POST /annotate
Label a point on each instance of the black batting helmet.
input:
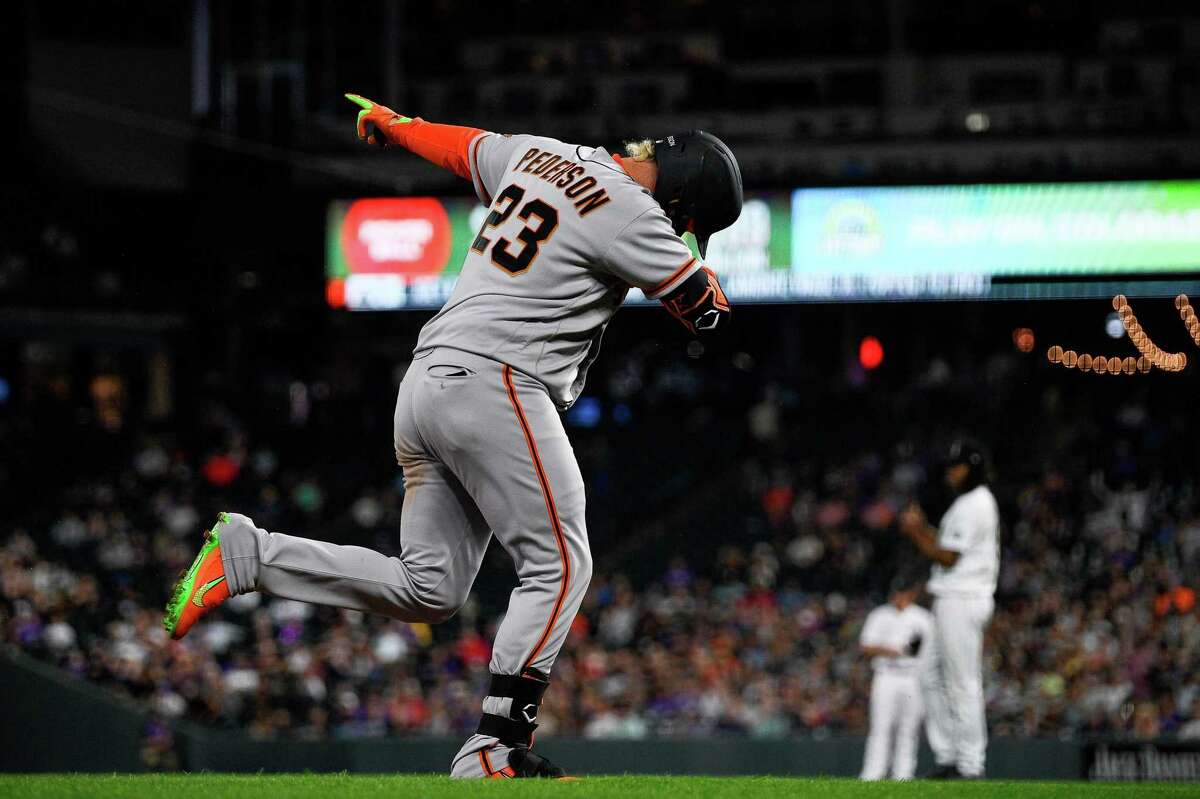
(699, 184)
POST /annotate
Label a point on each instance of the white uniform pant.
(956, 725)
(896, 712)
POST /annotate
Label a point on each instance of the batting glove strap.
(699, 303)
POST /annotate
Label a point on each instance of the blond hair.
(640, 150)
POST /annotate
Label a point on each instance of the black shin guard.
(511, 707)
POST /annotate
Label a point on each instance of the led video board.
(852, 244)
(948, 240)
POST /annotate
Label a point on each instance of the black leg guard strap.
(526, 764)
(508, 731)
(525, 695)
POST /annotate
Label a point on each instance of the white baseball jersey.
(909, 631)
(568, 233)
(970, 527)
(897, 705)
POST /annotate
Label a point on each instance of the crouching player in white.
(898, 638)
(965, 550)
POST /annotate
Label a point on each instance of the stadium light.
(870, 353)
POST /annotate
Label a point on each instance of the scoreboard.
(981, 241)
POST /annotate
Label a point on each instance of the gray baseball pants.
(484, 452)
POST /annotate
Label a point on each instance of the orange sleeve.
(448, 146)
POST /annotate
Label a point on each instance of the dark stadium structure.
(168, 351)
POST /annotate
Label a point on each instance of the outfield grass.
(346, 786)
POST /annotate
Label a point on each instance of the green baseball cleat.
(199, 589)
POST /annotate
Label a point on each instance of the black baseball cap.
(699, 184)
(909, 577)
(974, 455)
(966, 451)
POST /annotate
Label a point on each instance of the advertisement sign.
(1156, 761)
(1019, 229)
(405, 236)
(853, 244)
(385, 253)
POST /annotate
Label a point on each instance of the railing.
(53, 722)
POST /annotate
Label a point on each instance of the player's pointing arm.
(448, 146)
(471, 153)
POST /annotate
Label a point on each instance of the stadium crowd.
(752, 629)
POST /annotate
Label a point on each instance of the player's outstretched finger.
(366, 106)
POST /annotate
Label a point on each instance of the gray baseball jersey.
(568, 233)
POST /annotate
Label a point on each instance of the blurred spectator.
(738, 617)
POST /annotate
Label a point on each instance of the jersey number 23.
(530, 237)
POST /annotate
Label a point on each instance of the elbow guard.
(699, 303)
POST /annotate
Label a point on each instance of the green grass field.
(344, 786)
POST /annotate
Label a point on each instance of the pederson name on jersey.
(566, 175)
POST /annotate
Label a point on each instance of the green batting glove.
(373, 117)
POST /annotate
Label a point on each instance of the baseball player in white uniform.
(898, 637)
(477, 430)
(965, 550)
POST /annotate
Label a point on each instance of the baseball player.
(965, 550)
(477, 430)
(898, 638)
